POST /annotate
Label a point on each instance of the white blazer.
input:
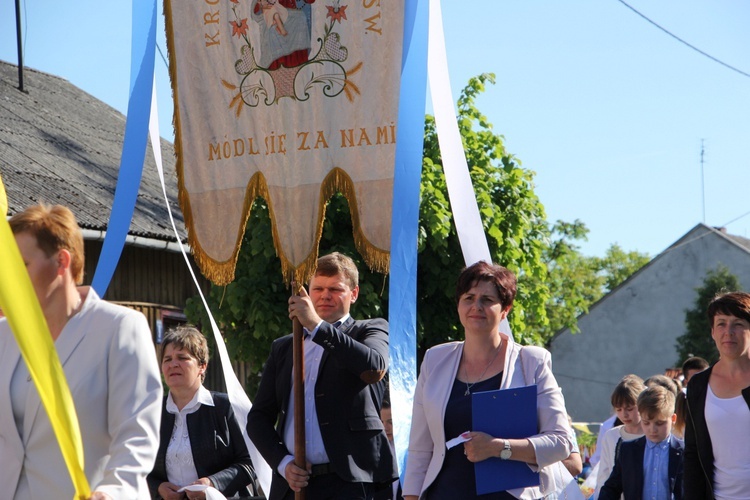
(109, 361)
(427, 438)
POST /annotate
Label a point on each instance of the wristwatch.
(507, 452)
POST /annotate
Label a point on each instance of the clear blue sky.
(608, 110)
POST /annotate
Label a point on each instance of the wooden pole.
(300, 460)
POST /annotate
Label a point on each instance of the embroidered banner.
(291, 100)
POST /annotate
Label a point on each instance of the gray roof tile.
(59, 144)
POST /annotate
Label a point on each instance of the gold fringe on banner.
(222, 273)
(339, 181)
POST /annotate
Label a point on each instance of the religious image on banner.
(290, 100)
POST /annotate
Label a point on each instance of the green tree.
(572, 278)
(697, 341)
(577, 281)
(617, 265)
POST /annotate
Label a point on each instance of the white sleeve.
(421, 444)
(134, 395)
(607, 458)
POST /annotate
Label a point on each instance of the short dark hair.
(732, 303)
(187, 338)
(694, 363)
(503, 279)
(663, 381)
(338, 263)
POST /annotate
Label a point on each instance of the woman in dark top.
(486, 360)
(201, 441)
(717, 430)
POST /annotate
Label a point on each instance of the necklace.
(466, 373)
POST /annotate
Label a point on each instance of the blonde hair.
(54, 228)
(655, 401)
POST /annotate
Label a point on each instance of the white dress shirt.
(179, 458)
(315, 451)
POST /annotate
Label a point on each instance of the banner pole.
(298, 353)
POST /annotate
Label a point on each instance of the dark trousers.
(332, 487)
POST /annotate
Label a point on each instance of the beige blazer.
(109, 361)
(427, 437)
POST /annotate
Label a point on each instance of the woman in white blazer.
(110, 365)
(485, 360)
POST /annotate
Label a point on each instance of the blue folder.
(507, 414)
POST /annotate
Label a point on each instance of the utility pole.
(703, 184)
(20, 47)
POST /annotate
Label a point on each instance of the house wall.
(146, 275)
(634, 328)
(157, 283)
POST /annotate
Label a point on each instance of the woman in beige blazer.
(485, 360)
(110, 365)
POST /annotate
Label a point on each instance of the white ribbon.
(237, 396)
(460, 189)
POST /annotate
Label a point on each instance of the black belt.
(321, 470)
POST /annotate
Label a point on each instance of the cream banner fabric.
(291, 100)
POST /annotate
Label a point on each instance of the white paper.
(458, 440)
(211, 492)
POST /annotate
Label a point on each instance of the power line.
(684, 42)
(162, 56)
(703, 184)
(736, 219)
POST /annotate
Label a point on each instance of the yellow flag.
(24, 314)
(3, 199)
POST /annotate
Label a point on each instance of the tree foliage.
(697, 341)
(556, 283)
(575, 280)
(513, 219)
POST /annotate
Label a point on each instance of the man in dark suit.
(345, 361)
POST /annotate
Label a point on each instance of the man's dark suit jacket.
(219, 450)
(627, 475)
(348, 395)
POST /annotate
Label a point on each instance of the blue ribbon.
(142, 53)
(402, 290)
